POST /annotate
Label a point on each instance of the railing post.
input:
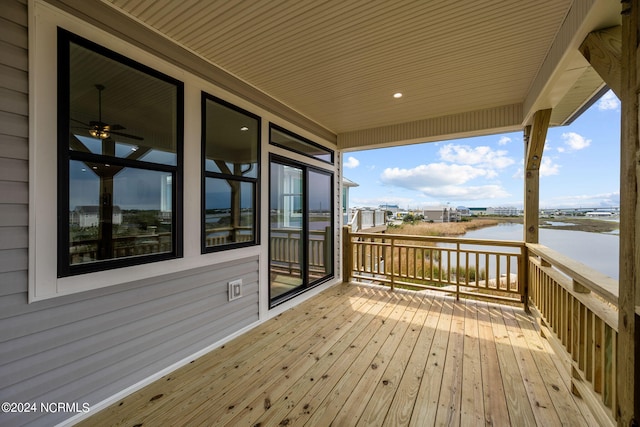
(523, 277)
(393, 275)
(347, 250)
(457, 271)
(328, 245)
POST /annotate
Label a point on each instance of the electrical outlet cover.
(235, 289)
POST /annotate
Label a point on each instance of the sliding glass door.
(301, 228)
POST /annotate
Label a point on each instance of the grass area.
(442, 228)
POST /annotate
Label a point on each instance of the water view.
(599, 251)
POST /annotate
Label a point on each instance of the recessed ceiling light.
(244, 128)
(397, 95)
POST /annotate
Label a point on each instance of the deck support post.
(628, 372)
(347, 254)
(534, 139)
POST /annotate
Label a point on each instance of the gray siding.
(14, 148)
(92, 345)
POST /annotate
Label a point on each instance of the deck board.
(362, 355)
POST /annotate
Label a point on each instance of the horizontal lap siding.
(90, 346)
(14, 149)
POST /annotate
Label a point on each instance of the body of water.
(598, 251)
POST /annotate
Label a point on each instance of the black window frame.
(219, 175)
(307, 141)
(306, 283)
(65, 155)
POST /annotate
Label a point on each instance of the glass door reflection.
(286, 229)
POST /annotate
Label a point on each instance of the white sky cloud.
(609, 101)
(481, 156)
(351, 163)
(504, 140)
(573, 142)
(457, 192)
(431, 175)
(444, 181)
(548, 168)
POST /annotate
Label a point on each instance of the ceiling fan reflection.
(101, 130)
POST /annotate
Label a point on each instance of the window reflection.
(119, 166)
(118, 212)
(229, 216)
(230, 144)
(285, 139)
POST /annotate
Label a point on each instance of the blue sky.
(580, 168)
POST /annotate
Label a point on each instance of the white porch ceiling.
(338, 62)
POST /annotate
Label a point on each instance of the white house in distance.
(88, 216)
(504, 211)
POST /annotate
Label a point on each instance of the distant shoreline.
(591, 225)
(440, 229)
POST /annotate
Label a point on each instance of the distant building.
(443, 214)
(346, 185)
(463, 211)
(89, 216)
(394, 209)
(599, 214)
(478, 211)
(504, 211)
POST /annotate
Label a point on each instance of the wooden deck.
(358, 355)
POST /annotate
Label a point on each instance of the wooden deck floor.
(357, 355)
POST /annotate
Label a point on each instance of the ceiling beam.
(603, 50)
(537, 138)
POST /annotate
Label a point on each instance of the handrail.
(577, 307)
(593, 280)
(452, 265)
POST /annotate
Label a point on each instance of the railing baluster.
(598, 334)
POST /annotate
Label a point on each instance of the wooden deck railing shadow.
(576, 306)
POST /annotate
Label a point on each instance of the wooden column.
(347, 254)
(534, 138)
(603, 50)
(628, 370)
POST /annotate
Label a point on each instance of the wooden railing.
(578, 311)
(86, 250)
(576, 306)
(225, 235)
(285, 250)
(475, 268)
(361, 219)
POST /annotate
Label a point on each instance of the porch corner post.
(534, 139)
(628, 352)
(347, 254)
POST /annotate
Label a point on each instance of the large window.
(120, 127)
(301, 228)
(230, 153)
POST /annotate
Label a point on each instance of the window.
(282, 138)
(230, 153)
(120, 127)
(301, 228)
